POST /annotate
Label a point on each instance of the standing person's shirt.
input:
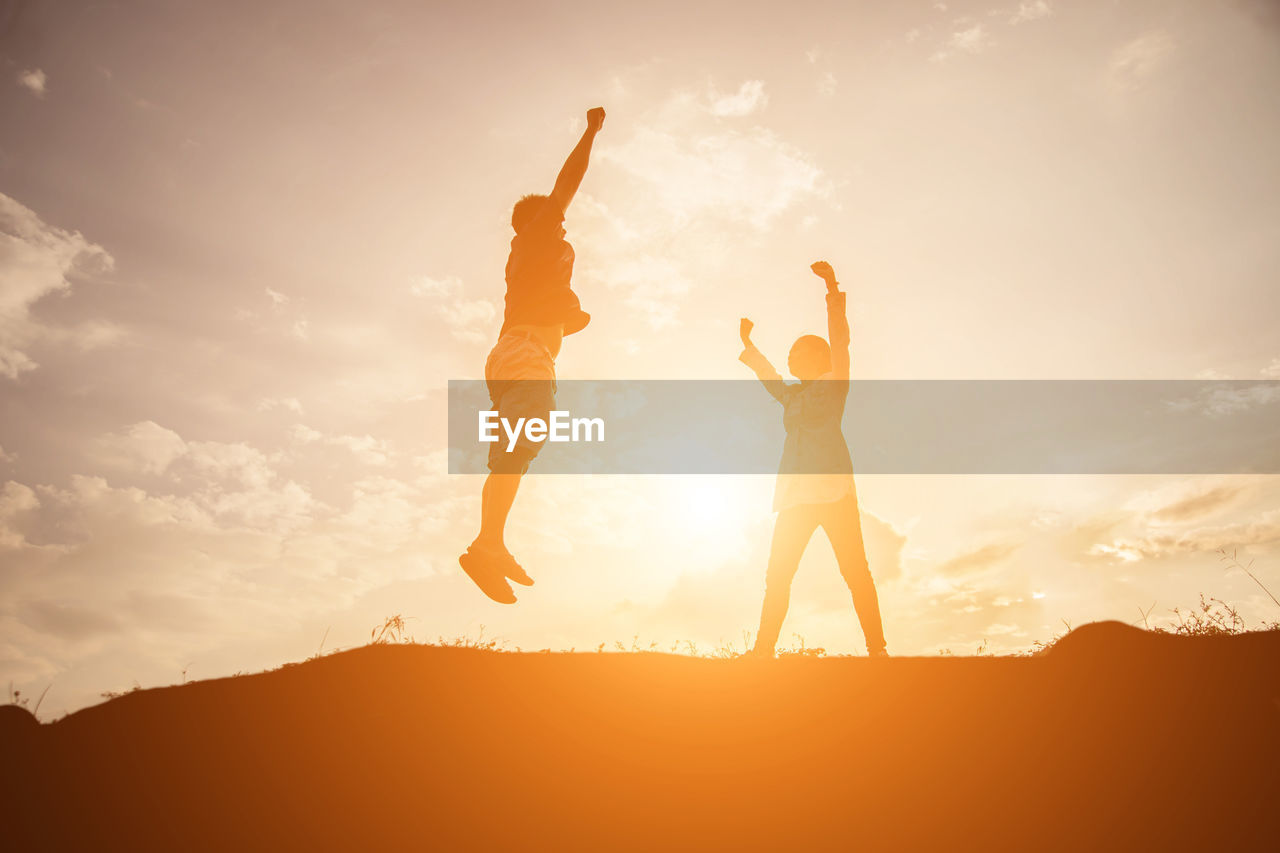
(538, 273)
(816, 467)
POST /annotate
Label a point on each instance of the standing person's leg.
(843, 524)
(791, 533)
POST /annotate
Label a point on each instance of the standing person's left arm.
(837, 321)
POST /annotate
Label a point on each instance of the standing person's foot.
(878, 653)
(487, 571)
(757, 653)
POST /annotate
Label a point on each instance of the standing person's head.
(526, 210)
(810, 357)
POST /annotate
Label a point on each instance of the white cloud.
(1263, 530)
(749, 98)
(15, 499)
(750, 176)
(1272, 370)
(653, 284)
(827, 84)
(469, 320)
(35, 81)
(366, 448)
(291, 404)
(1134, 62)
(974, 39)
(1031, 10)
(145, 446)
(1218, 401)
(6, 457)
(276, 297)
(36, 260)
(305, 434)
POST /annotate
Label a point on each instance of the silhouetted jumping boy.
(815, 480)
(541, 309)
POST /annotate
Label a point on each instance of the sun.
(713, 510)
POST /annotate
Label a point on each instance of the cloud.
(971, 40)
(749, 98)
(885, 545)
(276, 297)
(230, 480)
(1134, 62)
(366, 448)
(1220, 400)
(1031, 11)
(974, 39)
(1264, 530)
(1199, 505)
(36, 260)
(827, 84)
(35, 81)
(690, 186)
(6, 457)
(978, 558)
(291, 404)
(748, 176)
(653, 284)
(1272, 370)
(469, 320)
(145, 446)
(15, 500)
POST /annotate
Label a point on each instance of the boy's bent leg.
(791, 533)
(844, 528)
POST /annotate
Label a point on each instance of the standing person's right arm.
(753, 358)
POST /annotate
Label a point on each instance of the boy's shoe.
(486, 570)
(507, 564)
(514, 571)
(757, 654)
(878, 653)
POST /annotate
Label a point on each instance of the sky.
(244, 246)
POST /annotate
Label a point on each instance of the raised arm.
(753, 358)
(575, 167)
(837, 321)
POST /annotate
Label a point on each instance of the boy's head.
(810, 357)
(525, 210)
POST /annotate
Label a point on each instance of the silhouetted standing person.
(815, 480)
(541, 308)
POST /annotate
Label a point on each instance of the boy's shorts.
(521, 376)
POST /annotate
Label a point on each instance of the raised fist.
(595, 118)
(744, 330)
(823, 270)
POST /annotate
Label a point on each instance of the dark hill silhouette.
(1115, 739)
